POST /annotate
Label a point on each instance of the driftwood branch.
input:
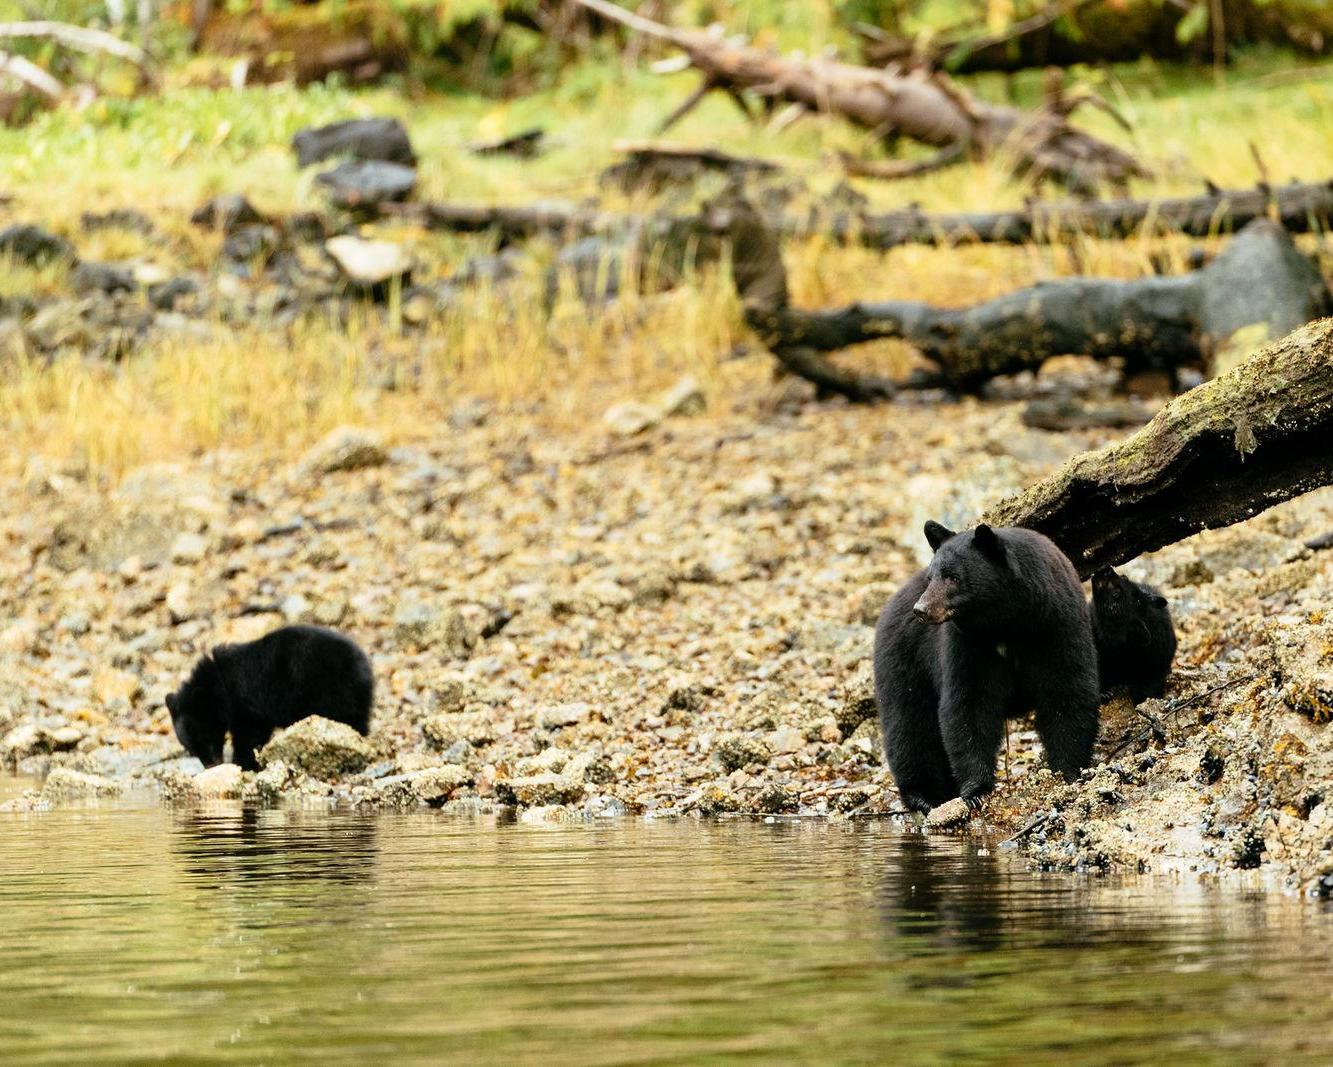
(31, 75)
(1158, 323)
(1298, 208)
(927, 108)
(79, 38)
(1216, 455)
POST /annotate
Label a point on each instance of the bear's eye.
(952, 579)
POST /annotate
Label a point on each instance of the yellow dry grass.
(279, 387)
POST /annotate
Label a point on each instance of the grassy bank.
(280, 387)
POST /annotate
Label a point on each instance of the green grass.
(166, 154)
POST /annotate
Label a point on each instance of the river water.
(227, 935)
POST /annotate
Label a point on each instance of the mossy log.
(1214, 456)
(1159, 323)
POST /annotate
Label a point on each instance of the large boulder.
(379, 138)
(320, 747)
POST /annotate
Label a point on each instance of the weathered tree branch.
(80, 38)
(1214, 456)
(923, 107)
(1299, 208)
(31, 75)
(1156, 322)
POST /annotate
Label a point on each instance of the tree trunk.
(1214, 456)
(1149, 323)
(926, 108)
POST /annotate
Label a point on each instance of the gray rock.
(472, 727)
(168, 295)
(33, 245)
(686, 397)
(347, 448)
(30, 739)
(366, 182)
(320, 747)
(563, 715)
(630, 418)
(858, 700)
(740, 750)
(101, 278)
(375, 138)
(67, 784)
(430, 785)
(540, 790)
(227, 213)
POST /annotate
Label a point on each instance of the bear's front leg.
(977, 692)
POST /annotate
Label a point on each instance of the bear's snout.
(930, 612)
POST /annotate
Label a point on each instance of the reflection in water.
(222, 845)
(235, 936)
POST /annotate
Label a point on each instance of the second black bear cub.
(251, 689)
(996, 626)
(1136, 640)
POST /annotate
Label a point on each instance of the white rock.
(368, 262)
(631, 418)
(188, 548)
(224, 780)
(347, 448)
(686, 397)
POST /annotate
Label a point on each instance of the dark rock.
(101, 278)
(121, 218)
(375, 139)
(358, 183)
(227, 213)
(33, 245)
(488, 270)
(251, 244)
(1212, 764)
(166, 295)
(309, 227)
(523, 145)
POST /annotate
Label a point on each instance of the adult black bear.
(250, 690)
(996, 626)
(1136, 640)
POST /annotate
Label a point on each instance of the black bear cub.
(1136, 640)
(251, 689)
(996, 626)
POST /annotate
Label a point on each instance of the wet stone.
(320, 747)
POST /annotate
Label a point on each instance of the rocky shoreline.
(670, 619)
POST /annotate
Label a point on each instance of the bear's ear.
(173, 703)
(1159, 601)
(936, 534)
(988, 543)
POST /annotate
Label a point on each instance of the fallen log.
(1301, 207)
(1155, 323)
(1098, 31)
(1219, 454)
(923, 107)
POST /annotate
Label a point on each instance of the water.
(224, 935)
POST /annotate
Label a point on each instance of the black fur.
(252, 689)
(996, 626)
(1136, 640)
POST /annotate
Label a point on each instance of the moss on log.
(1214, 456)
